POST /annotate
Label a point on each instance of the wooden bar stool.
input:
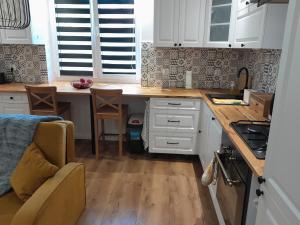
(43, 101)
(107, 105)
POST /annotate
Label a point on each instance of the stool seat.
(108, 112)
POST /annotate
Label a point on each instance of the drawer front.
(13, 98)
(172, 143)
(174, 120)
(7, 108)
(175, 103)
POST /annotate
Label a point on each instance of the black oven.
(233, 185)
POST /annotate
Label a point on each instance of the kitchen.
(200, 45)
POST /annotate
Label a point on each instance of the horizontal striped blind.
(117, 36)
(73, 25)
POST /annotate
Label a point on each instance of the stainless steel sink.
(224, 96)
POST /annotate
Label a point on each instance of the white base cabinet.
(173, 125)
(210, 136)
(14, 103)
(209, 141)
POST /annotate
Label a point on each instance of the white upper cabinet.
(178, 23)
(220, 23)
(16, 36)
(36, 33)
(259, 27)
(11, 36)
(166, 20)
(191, 23)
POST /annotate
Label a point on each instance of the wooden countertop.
(227, 114)
(64, 87)
(224, 114)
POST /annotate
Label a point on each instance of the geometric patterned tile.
(29, 61)
(211, 68)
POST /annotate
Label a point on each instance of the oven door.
(231, 190)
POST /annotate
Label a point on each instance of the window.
(73, 26)
(96, 38)
(117, 36)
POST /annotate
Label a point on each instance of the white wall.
(145, 12)
(40, 29)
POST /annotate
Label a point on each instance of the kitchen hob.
(255, 134)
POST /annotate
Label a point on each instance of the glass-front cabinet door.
(220, 23)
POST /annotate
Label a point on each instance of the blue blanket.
(16, 134)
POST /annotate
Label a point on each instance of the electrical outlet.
(12, 68)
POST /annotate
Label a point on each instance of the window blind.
(117, 37)
(73, 25)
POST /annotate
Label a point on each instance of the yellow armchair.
(61, 199)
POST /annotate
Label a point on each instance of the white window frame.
(97, 65)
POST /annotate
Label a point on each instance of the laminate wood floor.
(144, 189)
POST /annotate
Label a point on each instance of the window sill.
(119, 79)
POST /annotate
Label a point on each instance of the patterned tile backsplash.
(263, 65)
(29, 62)
(211, 67)
(162, 67)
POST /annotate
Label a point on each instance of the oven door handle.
(228, 180)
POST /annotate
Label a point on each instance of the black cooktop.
(255, 134)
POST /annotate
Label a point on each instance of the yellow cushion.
(31, 172)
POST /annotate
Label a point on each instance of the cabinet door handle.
(261, 180)
(229, 45)
(247, 3)
(175, 44)
(213, 118)
(259, 192)
(11, 98)
(172, 143)
(173, 121)
(242, 45)
(170, 103)
(179, 44)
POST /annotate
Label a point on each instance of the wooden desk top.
(224, 114)
(64, 87)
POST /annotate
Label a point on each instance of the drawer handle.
(173, 121)
(173, 143)
(11, 98)
(170, 103)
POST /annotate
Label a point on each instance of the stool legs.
(69, 114)
(102, 132)
(96, 138)
(120, 122)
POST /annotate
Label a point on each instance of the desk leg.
(92, 125)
